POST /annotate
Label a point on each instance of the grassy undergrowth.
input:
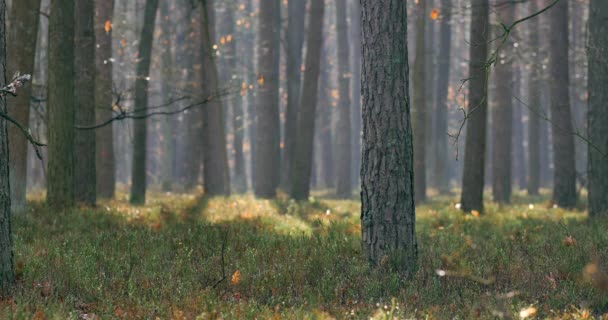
(180, 257)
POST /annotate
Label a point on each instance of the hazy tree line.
(291, 96)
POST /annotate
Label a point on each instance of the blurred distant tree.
(60, 100)
(22, 34)
(598, 108)
(476, 121)
(387, 181)
(564, 172)
(535, 103)
(302, 165)
(355, 42)
(419, 114)
(138, 173)
(84, 98)
(105, 162)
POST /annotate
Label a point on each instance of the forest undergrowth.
(187, 257)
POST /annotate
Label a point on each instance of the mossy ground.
(183, 257)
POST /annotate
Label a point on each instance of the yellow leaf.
(108, 26)
(229, 38)
(475, 213)
(261, 80)
(236, 277)
(223, 40)
(526, 313)
(434, 14)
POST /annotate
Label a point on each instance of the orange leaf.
(108, 26)
(39, 315)
(475, 213)
(261, 80)
(434, 14)
(236, 277)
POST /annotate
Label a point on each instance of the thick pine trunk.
(267, 125)
(105, 161)
(216, 174)
(343, 126)
(441, 181)
(84, 98)
(419, 115)
(597, 120)
(502, 115)
(7, 274)
(140, 134)
(564, 170)
(22, 36)
(387, 173)
(302, 164)
(60, 101)
(477, 110)
(295, 42)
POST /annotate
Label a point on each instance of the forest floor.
(183, 257)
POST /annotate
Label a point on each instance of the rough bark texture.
(343, 126)
(475, 145)
(441, 113)
(140, 134)
(60, 102)
(419, 115)
(502, 113)
(387, 173)
(84, 98)
(105, 161)
(355, 41)
(267, 126)
(7, 274)
(216, 174)
(302, 165)
(535, 105)
(22, 35)
(564, 170)
(295, 42)
(597, 119)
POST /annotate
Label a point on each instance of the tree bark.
(477, 110)
(387, 173)
(419, 114)
(302, 165)
(105, 161)
(7, 273)
(22, 35)
(216, 175)
(167, 64)
(355, 36)
(564, 170)
(441, 181)
(267, 125)
(295, 42)
(60, 101)
(140, 134)
(84, 98)
(343, 126)
(502, 115)
(597, 119)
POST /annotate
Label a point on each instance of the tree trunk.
(502, 115)
(475, 145)
(517, 139)
(343, 127)
(387, 173)
(60, 101)
(597, 119)
(84, 98)
(169, 140)
(7, 274)
(534, 96)
(295, 42)
(105, 161)
(443, 81)
(323, 126)
(22, 36)
(216, 175)
(419, 115)
(267, 124)
(302, 165)
(140, 134)
(564, 171)
(355, 41)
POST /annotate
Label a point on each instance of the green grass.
(303, 261)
